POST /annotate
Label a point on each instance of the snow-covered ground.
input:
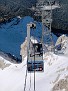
(54, 77)
(12, 78)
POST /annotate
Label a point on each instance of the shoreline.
(59, 31)
(10, 57)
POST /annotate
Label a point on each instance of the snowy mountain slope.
(55, 69)
(54, 77)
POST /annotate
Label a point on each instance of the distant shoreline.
(10, 57)
(58, 32)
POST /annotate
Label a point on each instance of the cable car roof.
(34, 40)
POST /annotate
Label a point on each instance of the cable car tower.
(45, 11)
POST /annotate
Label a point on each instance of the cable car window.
(37, 66)
(38, 48)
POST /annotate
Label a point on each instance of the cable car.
(34, 52)
(35, 62)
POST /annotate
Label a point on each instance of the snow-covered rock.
(4, 63)
(61, 44)
(23, 51)
(62, 39)
(54, 77)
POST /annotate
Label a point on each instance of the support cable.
(34, 64)
(25, 80)
(51, 32)
(30, 81)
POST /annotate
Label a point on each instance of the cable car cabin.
(35, 59)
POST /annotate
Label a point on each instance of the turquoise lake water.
(13, 34)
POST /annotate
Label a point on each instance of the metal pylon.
(46, 30)
(45, 11)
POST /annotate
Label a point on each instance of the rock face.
(62, 85)
(23, 51)
(62, 45)
(12, 8)
(62, 40)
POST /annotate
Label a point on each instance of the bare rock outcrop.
(3, 65)
(61, 85)
(61, 44)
